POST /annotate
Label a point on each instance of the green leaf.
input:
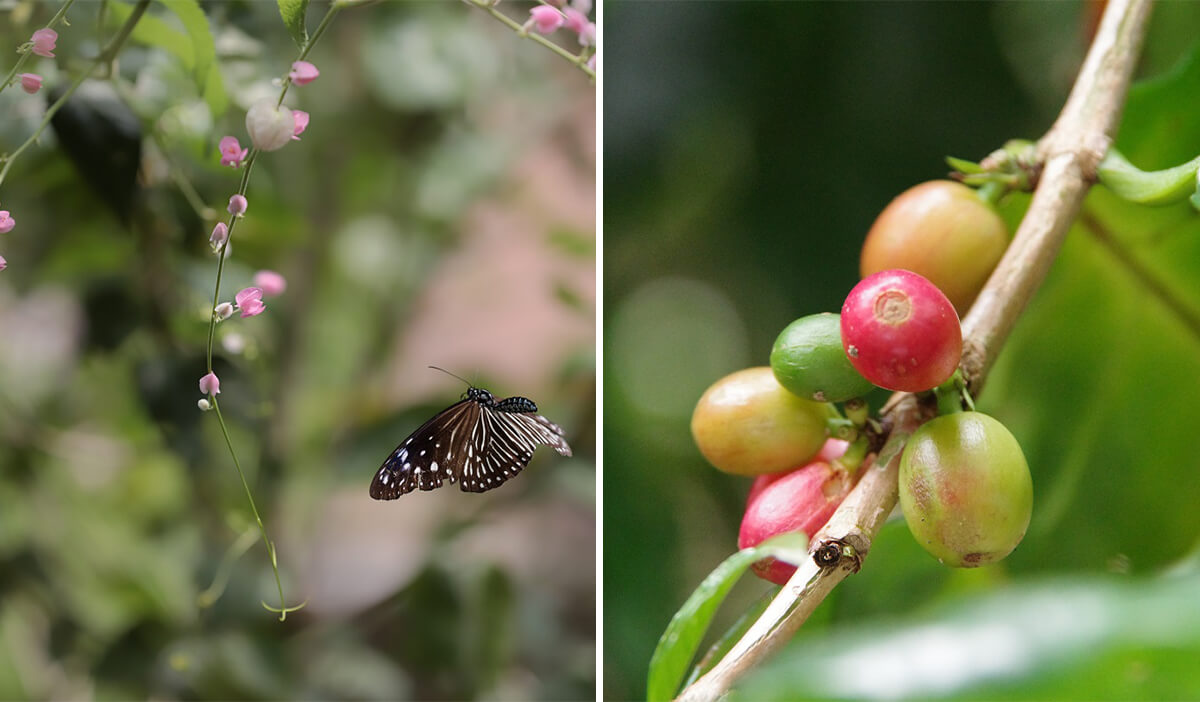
(731, 636)
(293, 12)
(1094, 637)
(682, 637)
(204, 51)
(194, 48)
(154, 31)
(1163, 187)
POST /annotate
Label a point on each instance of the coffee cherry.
(831, 450)
(747, 424)
(940, 230)
(900, 332)
(808, 360)
(803, 500)
(965, 489)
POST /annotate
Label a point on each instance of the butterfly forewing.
(478, 442)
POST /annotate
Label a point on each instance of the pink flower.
(3, 263)
(303, 73)
(301, 118)
(6, 222)
(43, 42)
(272, 283)
(249, 301)
(30, 82)
(210, 384)
(575, 21)
(237, 205)
(588, 36)
(220, 234)
(591, 63)
(232, 153)
(545, 19)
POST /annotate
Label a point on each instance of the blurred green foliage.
(756, 144)
(432, 131)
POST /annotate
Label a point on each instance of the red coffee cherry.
(965, 489)
(943, 231)
(803, 500)
(900, 332)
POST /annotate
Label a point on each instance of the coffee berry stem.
(1069, 152)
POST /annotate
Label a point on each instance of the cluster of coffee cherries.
(802, 426)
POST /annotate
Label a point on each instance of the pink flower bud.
(232, 153)
(3, 263)
(802, 500)
(210, 384)
(6, 222)
(587, 37)
(575, 20)
(545, 19)
(30, 82)
(204, 404)
(237, 205)
(303, 73)
(44, 41)
(249, 301)
(270, 126)
(591, 63)
(301, 118)
(223, 311)
(220, 234)
(272, 283)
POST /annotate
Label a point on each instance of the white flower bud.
(204, 404)
(270, 127)
(224, 311)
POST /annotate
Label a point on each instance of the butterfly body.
(478, 442)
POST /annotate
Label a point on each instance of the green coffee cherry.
(808, 359)
(965, 489)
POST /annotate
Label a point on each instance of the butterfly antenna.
(469, 383)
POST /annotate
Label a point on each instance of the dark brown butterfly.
(478, 442)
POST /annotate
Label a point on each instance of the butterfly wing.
(503, 443)
(433, 454)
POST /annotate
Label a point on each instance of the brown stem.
(1070, 152)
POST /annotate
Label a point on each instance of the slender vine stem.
(283, 608)
(58, 17)
(579, 60)
(1071, 150)
(105, 56)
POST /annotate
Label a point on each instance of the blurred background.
(439, 210)
(748, 147)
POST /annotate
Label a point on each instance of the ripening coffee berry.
(802, 500)
(901, 332)
(809, 360)
(747, 424)
(831, 450)
(965, 489)
(943, 231)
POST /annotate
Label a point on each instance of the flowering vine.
(547, 18)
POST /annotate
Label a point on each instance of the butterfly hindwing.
(478, 442)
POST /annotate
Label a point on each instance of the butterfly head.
(481, 396)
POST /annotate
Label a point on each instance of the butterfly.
(479, 442)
